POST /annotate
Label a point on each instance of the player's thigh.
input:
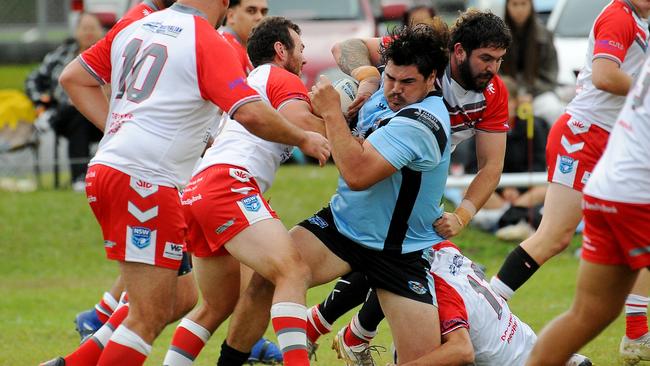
(323, 263)
(218, 280)
(151, 289)
(414, 324)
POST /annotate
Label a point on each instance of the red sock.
(351, 339)
(125, 348)
(105, 307)
(636, 316)
(289, 322)
(89, 352)
(188, 341)
(316, 324)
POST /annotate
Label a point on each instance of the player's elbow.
(466, 354)
(356, 182)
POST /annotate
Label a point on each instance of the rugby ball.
(347, 89)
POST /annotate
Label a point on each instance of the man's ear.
(280, 50)
(459, 52)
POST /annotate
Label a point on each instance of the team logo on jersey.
(490, 88)
(585, 177)
(417, 287)
(140, 236)
(566, 164)
(456, 263)
(109, 244)
(318, 221)
(225, 226)
(239, 82)
(252, 203)
(173, 251)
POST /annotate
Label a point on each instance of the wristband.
(364, 72)
(463, 215)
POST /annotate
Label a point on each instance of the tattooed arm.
(353, 54)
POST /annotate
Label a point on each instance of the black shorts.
(405, 275)
(186, 265)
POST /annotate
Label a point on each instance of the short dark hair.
(406, 18)
(233, 3)
(270, 30)
(421, 45)
(476, 29)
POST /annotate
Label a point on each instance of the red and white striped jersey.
(470, 110)
(167, 84)
(623, 172)
(618, 34)
(236, 146)
(465, 300)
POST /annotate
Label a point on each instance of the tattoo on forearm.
(354, 53)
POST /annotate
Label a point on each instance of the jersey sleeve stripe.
(90, 70)
(456, 326)
(241, 102)
(289, 101)
(609, 57)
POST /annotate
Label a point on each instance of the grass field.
(53, 266)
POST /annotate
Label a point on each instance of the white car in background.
(571, 22)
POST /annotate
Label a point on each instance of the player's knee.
(291, 268)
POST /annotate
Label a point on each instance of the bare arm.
(353, 54)
(299, 113)
(356, 52)
(86, 93)
(456, 350)
(608, 77)
(490, 150)
(265, 122)
(360, 166)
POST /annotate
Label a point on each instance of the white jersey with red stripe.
(466, 300)
(623, 172)
(618, 34)
(237, 146)
(471, 110)
(167, 85)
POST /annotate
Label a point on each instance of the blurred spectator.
(42, 87)
(516, 210)
(420, 14)
(532, 59)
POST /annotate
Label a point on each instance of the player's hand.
(316, 146)
(367, 87)
(449, 225)
(324, 98)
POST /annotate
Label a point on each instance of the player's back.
(498, 336)
(158, 117)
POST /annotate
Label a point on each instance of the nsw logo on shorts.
(417, 287)
(252, 203)
(566, 164)
(140, 237)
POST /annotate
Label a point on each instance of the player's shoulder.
(495, 89)
(616, 14)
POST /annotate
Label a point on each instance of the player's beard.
(470, 81)
(168, 3)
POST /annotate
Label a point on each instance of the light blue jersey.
(397, 213)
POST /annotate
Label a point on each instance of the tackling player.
(228, 219)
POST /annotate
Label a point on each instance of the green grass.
(13, 76)
(52, 266)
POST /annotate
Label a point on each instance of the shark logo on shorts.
(318, 221)
(456, 263)
(252, 203)
(140, 237)
(417, 287)
(566, 164)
